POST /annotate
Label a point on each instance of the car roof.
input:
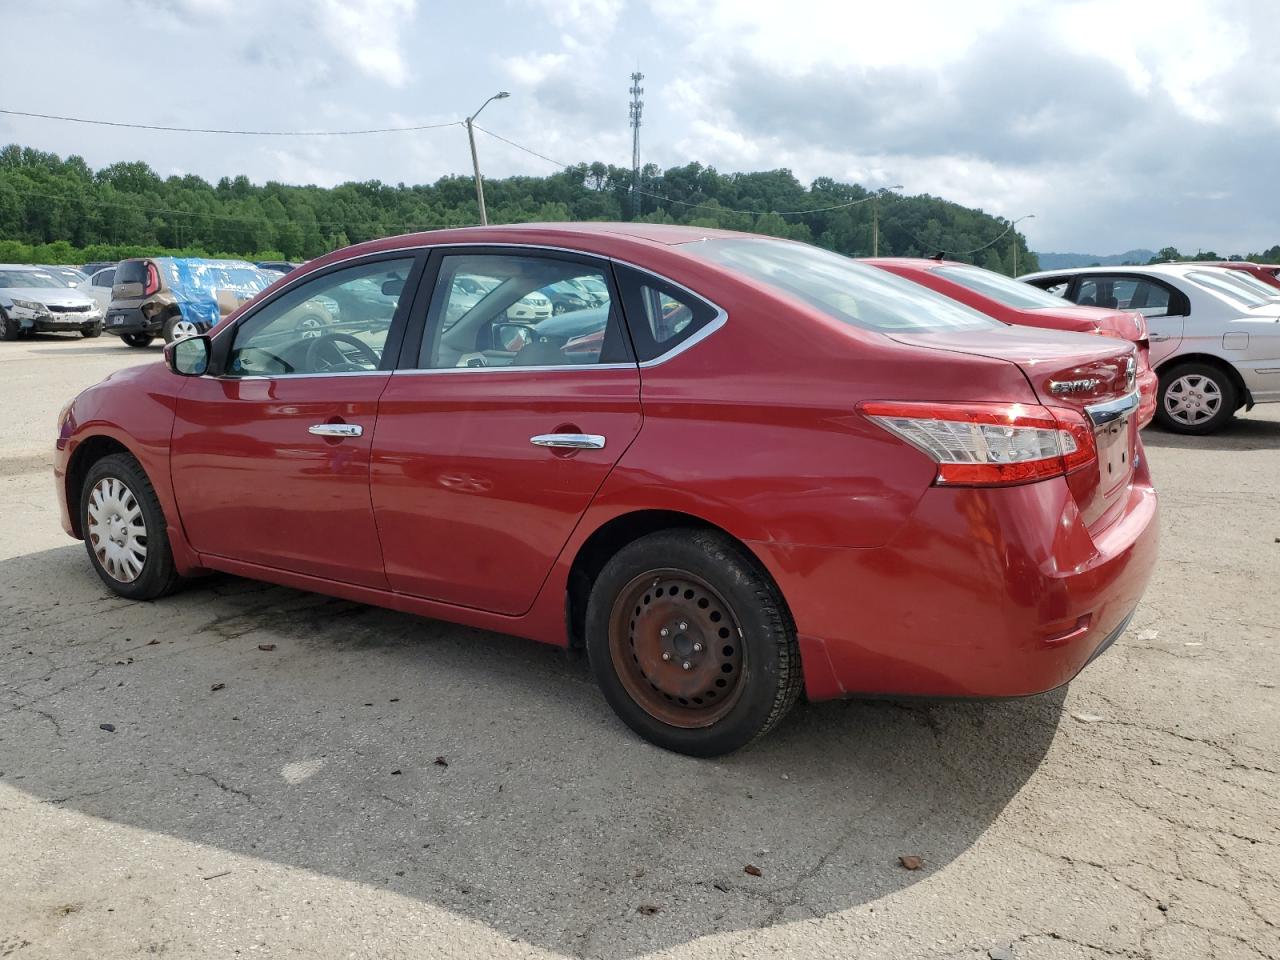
(23, 266)
(914, 263)
(646, 241)
(1179, 269)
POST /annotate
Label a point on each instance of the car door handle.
(336, 429)
(570, 441)
(1158, 337)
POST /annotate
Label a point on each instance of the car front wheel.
(9, 329)
(124, 529)
(90, 332)
(1196, 398)
(138, 339)
(691, 643)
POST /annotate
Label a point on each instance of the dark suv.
(176, 297)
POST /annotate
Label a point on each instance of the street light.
(1029, 216)
(475, 161)
(875, 218)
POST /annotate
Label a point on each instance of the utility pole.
(637, 105)
(875, 218)
(475, 160)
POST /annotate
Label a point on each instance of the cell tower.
(637, 105)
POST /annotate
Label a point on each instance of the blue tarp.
(196, 284)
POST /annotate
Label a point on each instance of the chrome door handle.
(336, 429)
(570, 441)
(1158, 337)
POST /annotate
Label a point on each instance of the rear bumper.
(1148, 389)
(983, 593)
(123, 321)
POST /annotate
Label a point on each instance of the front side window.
(512, 310)
(335, 323)
(104, 278)
(851, 292)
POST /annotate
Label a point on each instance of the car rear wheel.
(1196, 398)
(691, 643)
(177, 327)
(138, 339)
(124, 529)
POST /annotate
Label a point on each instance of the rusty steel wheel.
(677, 648)
(691, 642)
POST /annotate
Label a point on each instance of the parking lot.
(290, 775)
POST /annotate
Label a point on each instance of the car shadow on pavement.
(478, 773)
(1242, 433)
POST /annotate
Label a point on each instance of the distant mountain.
(1060, 261)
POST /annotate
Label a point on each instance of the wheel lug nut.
(683, 625)
(666, 656)
(664, 632)
(687, 665)
(697, 648)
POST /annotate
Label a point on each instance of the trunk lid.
(1093, 376)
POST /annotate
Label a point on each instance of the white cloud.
(368, 33)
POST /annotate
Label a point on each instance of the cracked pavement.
(298, 809)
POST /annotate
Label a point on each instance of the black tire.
(768, 677)
(9, 329)
(1201, 384)
(166, 331)
(138, 339)
(157, 575)
(90, 332)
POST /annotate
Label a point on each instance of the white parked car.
(1215, 341)
(33, 300)
(98, 287)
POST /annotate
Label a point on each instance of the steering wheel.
(323, 354)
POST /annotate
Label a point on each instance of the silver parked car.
(32, 299)
(1215, 341)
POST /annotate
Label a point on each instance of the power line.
(540, 156)
(687, 203)
(757, 213)
(238, 133)
(964, 253)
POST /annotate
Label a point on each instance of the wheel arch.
(87, 452)
(1212, 360)
(614, 534)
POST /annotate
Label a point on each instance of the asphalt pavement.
(246, 770)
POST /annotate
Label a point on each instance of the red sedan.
(1020, 303)
(758, 468)
(1268, 273)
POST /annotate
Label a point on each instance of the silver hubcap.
(117, 532)
(183, 329)
(1192, 399)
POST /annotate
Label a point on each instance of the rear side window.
(1125, 293)
(851, 292)
(660, 315)
(104, 278)
(132, 271)
(1001, 289)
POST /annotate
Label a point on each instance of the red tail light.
(153, 280)
(990, 444)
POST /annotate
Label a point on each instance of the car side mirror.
(392, 287)
(188, 357)
(512, 337)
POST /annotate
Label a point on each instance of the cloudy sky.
(1118, 123)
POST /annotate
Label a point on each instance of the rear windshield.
(851, 292)
(132, 271)
(1001, 289)
(29, 278)
(1229, 287)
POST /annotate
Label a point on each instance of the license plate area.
(1114, 440)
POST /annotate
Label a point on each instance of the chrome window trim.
(720, 319)
(299, 376)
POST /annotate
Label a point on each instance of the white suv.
(1215, 341)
